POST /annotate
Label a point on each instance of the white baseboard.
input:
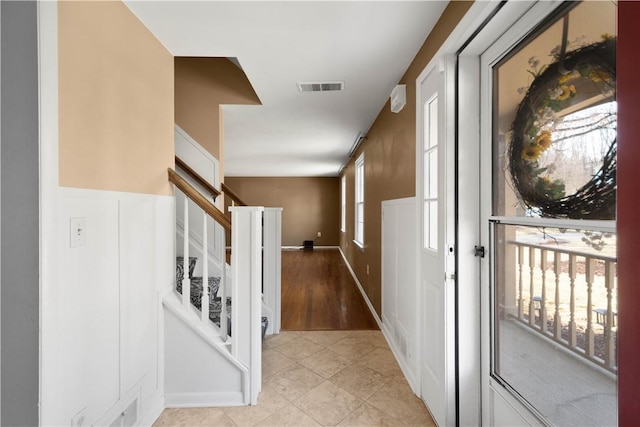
(153, 414)
(409, 375)
(364, 294)
(290, 248)
(203, 400)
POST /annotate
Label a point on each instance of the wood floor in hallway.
(319, 293)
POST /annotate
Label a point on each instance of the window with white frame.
(430, 165)
(359, 226)
(343, 204)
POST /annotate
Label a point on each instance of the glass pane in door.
(554, 284)
(555, 321)
(554, 133)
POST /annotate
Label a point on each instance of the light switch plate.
(77, 232)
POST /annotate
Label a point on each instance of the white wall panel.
(399, 286)
(146, 266)
(87, 304)
(102, 324)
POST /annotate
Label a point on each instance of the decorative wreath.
(550, 92)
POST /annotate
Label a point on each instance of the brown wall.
(202, 85)
(310, 205)
(115, 100)
(390, 162)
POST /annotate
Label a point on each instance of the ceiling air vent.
(320, 86)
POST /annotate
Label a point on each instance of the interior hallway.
(320, 377)
(319, 293)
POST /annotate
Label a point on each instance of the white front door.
(437, 280)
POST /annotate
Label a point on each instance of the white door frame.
(466, 318)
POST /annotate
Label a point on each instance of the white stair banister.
(246, 267)
(272, 265)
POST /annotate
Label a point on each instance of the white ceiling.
(366, 44)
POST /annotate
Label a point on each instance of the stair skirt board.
(200, 400)
(205, 375)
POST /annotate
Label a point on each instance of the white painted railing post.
(272, 266)
(186, 280)
(246, 267)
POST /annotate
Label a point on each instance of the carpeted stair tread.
(215, 302)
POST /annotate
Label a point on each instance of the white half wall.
(399, 285)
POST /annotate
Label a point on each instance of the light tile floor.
(345, 378)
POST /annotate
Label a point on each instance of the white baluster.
(589, 338)
(520, 282)
(222, 290)
(557, 319)
(532, 266)
(543, 295)
(186, 281)
(609, 338)
(204, 302)
(572, 301)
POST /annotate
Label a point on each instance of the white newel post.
(272, 265)
(246, 266)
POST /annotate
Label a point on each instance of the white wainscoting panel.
(102, 325)
(399, 286)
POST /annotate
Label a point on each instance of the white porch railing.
(569, 297)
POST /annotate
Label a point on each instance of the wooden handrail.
(196, 177)
(229, 192)
(199, 199)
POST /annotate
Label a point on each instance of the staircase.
(213, 333)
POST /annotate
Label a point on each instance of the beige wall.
(202, 85)
(115, 100)
(310, 205)
(390, 160)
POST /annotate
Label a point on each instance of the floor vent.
(320, 86)
(402, 342)
(128, 417)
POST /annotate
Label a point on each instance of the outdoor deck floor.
(564, 387)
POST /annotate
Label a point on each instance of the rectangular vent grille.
(320, 86)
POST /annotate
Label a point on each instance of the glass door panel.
(553, 242)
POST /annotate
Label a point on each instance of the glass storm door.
(548, 218)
